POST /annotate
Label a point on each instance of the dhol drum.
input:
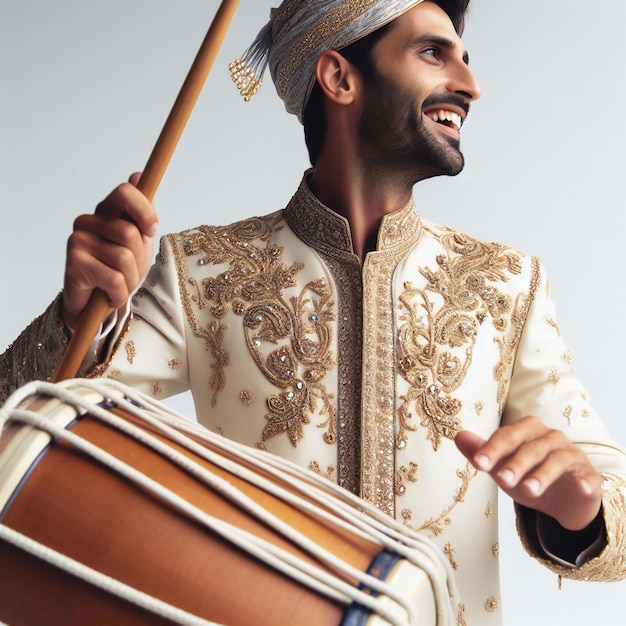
(115, 510)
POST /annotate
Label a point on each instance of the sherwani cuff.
(604, 558)
(570, 548)
(107, 335)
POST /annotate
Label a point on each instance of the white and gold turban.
(298, 32)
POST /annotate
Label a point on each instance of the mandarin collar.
(324, 230)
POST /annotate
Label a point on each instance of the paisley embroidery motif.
(289, 338)
(436, 345)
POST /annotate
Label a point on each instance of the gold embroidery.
(36, 353)
(214, 338)
(435, 525)
(175, 364)
(554, 325)
(198, 299)
(406, 474)
(495, 549)
(246, 397)
(289, 339)
(367, 411)
(379, 380)
(508, 345)
(326, 28)
(131, 351)
(460, 620)
(488, 510)
(420, 364)
(407, 516)
(113, 374)
(567, 357)
(567, 413)
(306, 322)
(610, 565)
(450, 553)
(554, 376)
(435, 347)
(479, 407)
(491, 606)
(156, 389)
(315, 467)
(328, 234)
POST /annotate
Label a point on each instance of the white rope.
(259, 548)
(251, 506)
(101, 581)
(421, 551)
(378, 528)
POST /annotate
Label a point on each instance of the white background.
(86, 85)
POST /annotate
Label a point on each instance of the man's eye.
(433, 52)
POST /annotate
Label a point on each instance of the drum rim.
(29, 444)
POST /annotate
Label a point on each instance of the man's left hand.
(540, 469)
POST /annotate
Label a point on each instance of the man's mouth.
(445, 117)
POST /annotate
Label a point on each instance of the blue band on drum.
(382, 565)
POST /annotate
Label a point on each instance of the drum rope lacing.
(377, 528)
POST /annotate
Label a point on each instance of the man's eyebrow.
(440, 41)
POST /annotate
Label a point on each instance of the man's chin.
(449, 167)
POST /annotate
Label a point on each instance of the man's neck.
(362, 197)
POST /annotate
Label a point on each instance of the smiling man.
(414, 365)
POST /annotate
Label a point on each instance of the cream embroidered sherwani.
(366, 373)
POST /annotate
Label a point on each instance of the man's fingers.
(469, 444)
(127, 202)
(528, 457)
(110, 267)
(507, 443)
(110, 249)
(116, 243)
(553, 467)
(527, 451)
(539, 468)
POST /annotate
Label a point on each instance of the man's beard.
(395, 136)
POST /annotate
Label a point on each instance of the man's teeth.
(446, 117)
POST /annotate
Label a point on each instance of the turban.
(298, 32)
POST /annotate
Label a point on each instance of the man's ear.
(337, 77)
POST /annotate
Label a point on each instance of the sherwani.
(366, 372)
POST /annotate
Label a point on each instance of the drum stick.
(98, 307)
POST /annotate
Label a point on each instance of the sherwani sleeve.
(36, 353)
(149, 352)
(543, 384)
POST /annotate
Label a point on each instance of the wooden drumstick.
(98, 306)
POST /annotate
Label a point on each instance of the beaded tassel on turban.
(298, 32)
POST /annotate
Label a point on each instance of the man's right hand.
(110, 250)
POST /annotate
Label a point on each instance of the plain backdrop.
(86, 85)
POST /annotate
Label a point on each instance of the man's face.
(414, 107)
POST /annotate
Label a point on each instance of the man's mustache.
(443, 99)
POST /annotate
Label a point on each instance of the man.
(350, 335)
